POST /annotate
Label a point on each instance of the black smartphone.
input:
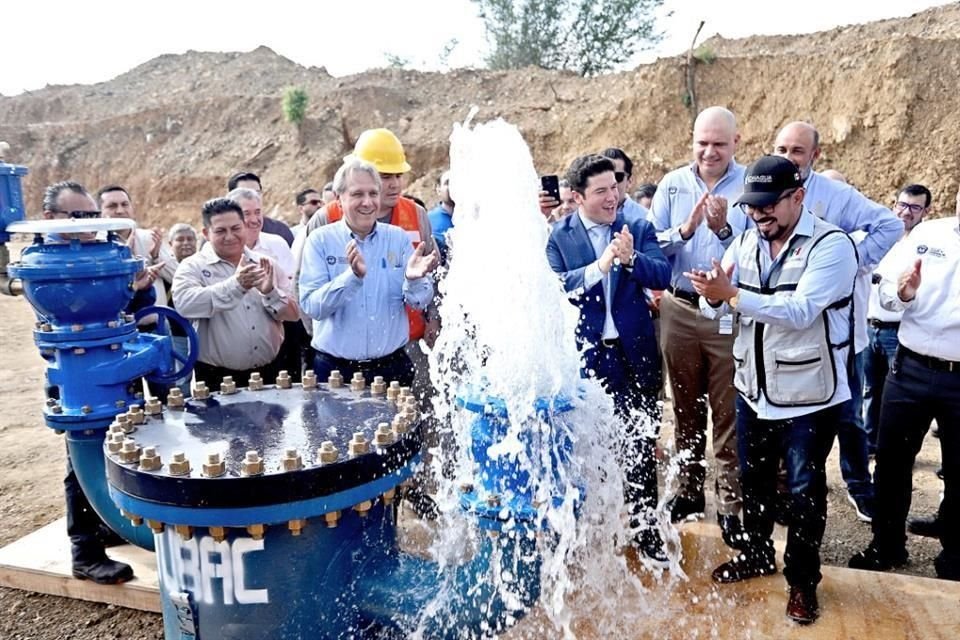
(551, 184)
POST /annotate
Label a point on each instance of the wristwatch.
(725, 232)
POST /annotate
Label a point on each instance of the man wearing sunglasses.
(790, 281)
(308, 201)
(840, 204)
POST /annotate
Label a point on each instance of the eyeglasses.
(78, 214)
(315, 202)
(620, 176)
(767, 210)
(914, 208)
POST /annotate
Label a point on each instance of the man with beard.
(790, 281)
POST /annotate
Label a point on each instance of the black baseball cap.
(767, 179)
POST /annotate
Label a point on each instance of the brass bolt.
(155, 526)
(129, 452)
(178, 465)
(363, 508)
(384, 436)
(400, 424)
(217, 533)
(120, 404)
(309, 382)
(136, 414)
(252, 464)
(200, 390)
(296, 526)
(51, 402)
(256, 382)
(115, 442)
(331, 519)
(79, 351)
(149, 460)
(359, 445)
(327, 453)
(256, 531)
(113, 324)
(283, 380)
(126, 424)
(410, 401)
(358, 383)
(493, 500)
(153, 406)
(86, 409)
(214, 467)
(409, 413)
(56, 409)
(115, 427)
(185, 531)
(389, 495)
(175, 399)
(76, 327)
(134, 519)
(379, 387)
(335, 381)
(291, 460)
(227, 386)
(46, 327)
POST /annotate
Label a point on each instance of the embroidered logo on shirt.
(331, 260)
(206, 273)
(933, 251)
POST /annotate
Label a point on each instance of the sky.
(67, 42)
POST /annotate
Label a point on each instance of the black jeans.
(914, 395)
(640, 412)
(803, 443)
(83, 523)
(393, 366)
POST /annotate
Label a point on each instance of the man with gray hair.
(356, 276)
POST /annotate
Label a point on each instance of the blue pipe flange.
(170, 374)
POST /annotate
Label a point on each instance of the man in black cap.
(790, 280)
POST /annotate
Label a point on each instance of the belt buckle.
(608, 342)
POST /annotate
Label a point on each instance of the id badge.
(726, 325)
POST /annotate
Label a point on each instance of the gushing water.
(509, 334)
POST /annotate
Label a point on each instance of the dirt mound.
(883, 96)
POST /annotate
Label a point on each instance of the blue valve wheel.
(166, 314)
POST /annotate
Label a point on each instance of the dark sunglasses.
(619, 176)
(79, 214)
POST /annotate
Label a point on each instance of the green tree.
(295, 108)
(586, 36)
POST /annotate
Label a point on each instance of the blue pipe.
(86, 455)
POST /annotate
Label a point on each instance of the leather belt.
(689, 296)
(883, 324)
(931, 362)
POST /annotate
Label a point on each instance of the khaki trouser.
(700, 364)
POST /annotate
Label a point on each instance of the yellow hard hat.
(382, 149)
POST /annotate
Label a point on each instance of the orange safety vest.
(404, 215)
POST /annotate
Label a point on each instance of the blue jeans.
(852, 436)
(803, 444)
(877, 362)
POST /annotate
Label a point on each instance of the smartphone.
(551, 184)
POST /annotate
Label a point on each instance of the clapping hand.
(421, 263)
(355, 259)
(909, 282)
(714, 285)
(716, 212)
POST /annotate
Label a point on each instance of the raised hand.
(714, 285)
(909, 282)
(248, 275)
(265, 285)
(355, 259)
(156, 237)
(623, 245)
(716, 213)
(689, 227)
(421, 263)
(147, 277)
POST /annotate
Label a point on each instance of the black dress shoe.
(873, 559)
(928, 527)
(743, 567)
(103, 571)
(682, 508)
(732, 531)
(802, 607)
(650, 545)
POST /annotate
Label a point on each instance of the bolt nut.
(46, 327)
(79, 351)
(115, 442)
(175, 399)
(379, 387)
(134, 519)
(178, 465)
(363, 508)
(227, 386)
(113, 324)
(218, 533)
(256, 382)
(493, 500)
(384, 436)
(185, 531)
(51, 402)
(327, 453)
(86, 409)
(359, 445)
(153, 407)
(256, 531)
(155, 526)
(393, 391)
(358, 383)
(56, 409)
(200, 391)
(400, 424)
(252, 464)
(291, 460)
(149, 460)
(136, 414)
(296, 526)
(115, 346)
(214, 467)
(335, 381)
(332, 519)
(76, 327)
(389, 495)
(309, 381)
(129, 452)
(283, 380)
